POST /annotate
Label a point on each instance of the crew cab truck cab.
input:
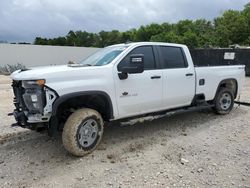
(119, 83)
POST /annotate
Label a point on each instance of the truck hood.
(37, 72)
(49, 72)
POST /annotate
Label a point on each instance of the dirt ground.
(198, 149)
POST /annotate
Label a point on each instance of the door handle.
(155, 77)
(189, 74)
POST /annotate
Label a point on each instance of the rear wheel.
(82, 132)
(224, 101)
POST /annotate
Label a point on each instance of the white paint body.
(145, 95)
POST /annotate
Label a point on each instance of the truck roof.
(149, 43)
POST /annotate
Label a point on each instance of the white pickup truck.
(120, 82)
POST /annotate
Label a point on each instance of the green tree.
(128, 36)
(232, 27)
(71, 36)
(246, 14)
(144, 33)
(109, 38)
(41, 41)
(183, 26)
(170, 37)
(204, 31)
(190, 39)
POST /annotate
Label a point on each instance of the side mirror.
(135, 65)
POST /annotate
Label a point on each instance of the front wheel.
(82, 131)
(224, 101)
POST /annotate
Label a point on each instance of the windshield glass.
(103, 56)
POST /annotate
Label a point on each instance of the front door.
(139, 93)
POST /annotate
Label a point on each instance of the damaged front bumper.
(33, 104)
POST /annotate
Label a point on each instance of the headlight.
(34, 97)
(33, 83)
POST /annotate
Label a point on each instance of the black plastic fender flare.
(65, 97)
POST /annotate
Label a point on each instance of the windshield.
(103, 56)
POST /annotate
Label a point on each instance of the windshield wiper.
(70, 63)
(87, 64)
(79, 65)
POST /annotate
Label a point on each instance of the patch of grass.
(8, 69)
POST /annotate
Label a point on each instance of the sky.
(23, 20)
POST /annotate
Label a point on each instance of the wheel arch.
(89, 96)
(228, 83)
(97, 100)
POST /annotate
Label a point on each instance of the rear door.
(178, 77)
(142, 92)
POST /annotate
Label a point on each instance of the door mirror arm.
(123, 75)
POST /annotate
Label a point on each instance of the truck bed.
(213, 75)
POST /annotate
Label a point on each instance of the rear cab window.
(172, 57)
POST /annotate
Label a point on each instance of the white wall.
(37, 55)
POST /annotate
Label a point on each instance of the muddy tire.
(224, 101)
(82, 132)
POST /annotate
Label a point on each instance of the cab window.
(172, 57)
(149, 58)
